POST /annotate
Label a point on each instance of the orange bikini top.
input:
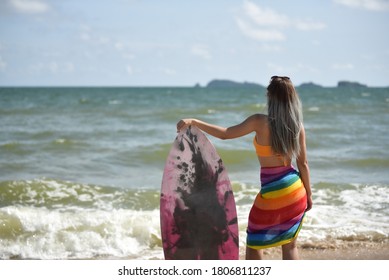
(266, 151)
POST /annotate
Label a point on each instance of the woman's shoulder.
(260, 118)
(260, 122)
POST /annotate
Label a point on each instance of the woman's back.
(262, 144)
(278, 210)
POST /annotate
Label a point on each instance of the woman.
(277, 213)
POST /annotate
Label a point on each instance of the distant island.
(343, 84)
(231, 84)
(309, 85)
(224, 83)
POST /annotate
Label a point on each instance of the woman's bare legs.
(289, 251)
(252, 254)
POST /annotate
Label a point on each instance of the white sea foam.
(54, 234)
(46, 228)
(359, 212)
(314, 109)
(349, 212)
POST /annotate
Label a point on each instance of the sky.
(183, 43)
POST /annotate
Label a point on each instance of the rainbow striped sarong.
(277, 214)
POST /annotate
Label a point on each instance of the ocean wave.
(40, 233)
(66, 195)
(52, 219)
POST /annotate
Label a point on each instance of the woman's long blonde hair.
(285, 116)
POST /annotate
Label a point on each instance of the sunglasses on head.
(280, 77)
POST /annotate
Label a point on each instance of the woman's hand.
(184, 123)
(309, 203)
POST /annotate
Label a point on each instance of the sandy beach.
(352, 250)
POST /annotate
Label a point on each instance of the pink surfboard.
(197, 206)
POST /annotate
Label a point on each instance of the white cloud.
(264, 24)
(371, 5)
(265, 16)
(201, 51)
(29, 6)
(259, 34)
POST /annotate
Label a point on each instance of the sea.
(81, 167)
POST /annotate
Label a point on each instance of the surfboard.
(197, 205)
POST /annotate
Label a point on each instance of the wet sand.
(352, 250)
